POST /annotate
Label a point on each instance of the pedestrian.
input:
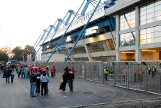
(38, 83)
(12, 76)
(33, 79)
(8, 74)
(70, 79)
(66, 69)
(63, 81)
(44, 80)
(106, 73)
(153, 71)
(73, 71)
(52, 71)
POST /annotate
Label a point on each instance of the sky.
(22, 21)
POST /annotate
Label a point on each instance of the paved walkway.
(16, 95)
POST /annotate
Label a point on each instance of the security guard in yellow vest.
(105, 73)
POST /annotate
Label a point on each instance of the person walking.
(44, 80)
(33, 79)
(38, 83)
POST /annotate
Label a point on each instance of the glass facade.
(79, 50)
(127, 39)
(150, 35)
(104, 58)
(150, 12)
(101, 46)
(64, 51)
(127, 20)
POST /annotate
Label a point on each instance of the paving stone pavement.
(16, 94)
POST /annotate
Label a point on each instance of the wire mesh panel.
(109, 79)
(154, 76)
(142, 75)
(93, 71)
(121, 73)
(136, 75)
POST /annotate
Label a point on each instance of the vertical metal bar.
(115, 73)
(128, 74)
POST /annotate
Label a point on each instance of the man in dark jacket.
(33, 79)
(70, 79)
(8, 74)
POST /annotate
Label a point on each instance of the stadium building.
(128, 30)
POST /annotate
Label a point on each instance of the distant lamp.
(69, 39)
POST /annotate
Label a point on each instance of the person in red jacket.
(52, 71)
(73, 71)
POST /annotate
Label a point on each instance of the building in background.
(130, 30)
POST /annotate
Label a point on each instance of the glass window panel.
(132, 20)
(132, 16)
(127, 14)
(150, 10)
(122, 17)
(143, 36)
(157, 13)
(143, 17)
(142, 13)
(143, 22)
(143, 41)
(158, 8)
(150, 35)
(122, 21)
(157, 3)
(143, 31)
(150, 5)
(158, 39)
(143, 8)
(122, 25)
(149, 20)
(150, 41)
(157, 34)
(150, 16)
(158, 18)
(157, 28)
(132, 25)
(127, 18)
(149, 30)
(133, 12)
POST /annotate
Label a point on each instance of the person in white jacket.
(44, 80)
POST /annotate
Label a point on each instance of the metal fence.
(144, 76)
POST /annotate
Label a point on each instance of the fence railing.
(143, 76)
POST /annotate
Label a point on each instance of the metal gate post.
(128, 74)
(128, 64)
(145, 73)
(114, 73)
(101, 69)
(83, 71)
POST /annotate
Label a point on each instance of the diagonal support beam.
(64, 33)
(81, 33)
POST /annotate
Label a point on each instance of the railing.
(130, 75)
